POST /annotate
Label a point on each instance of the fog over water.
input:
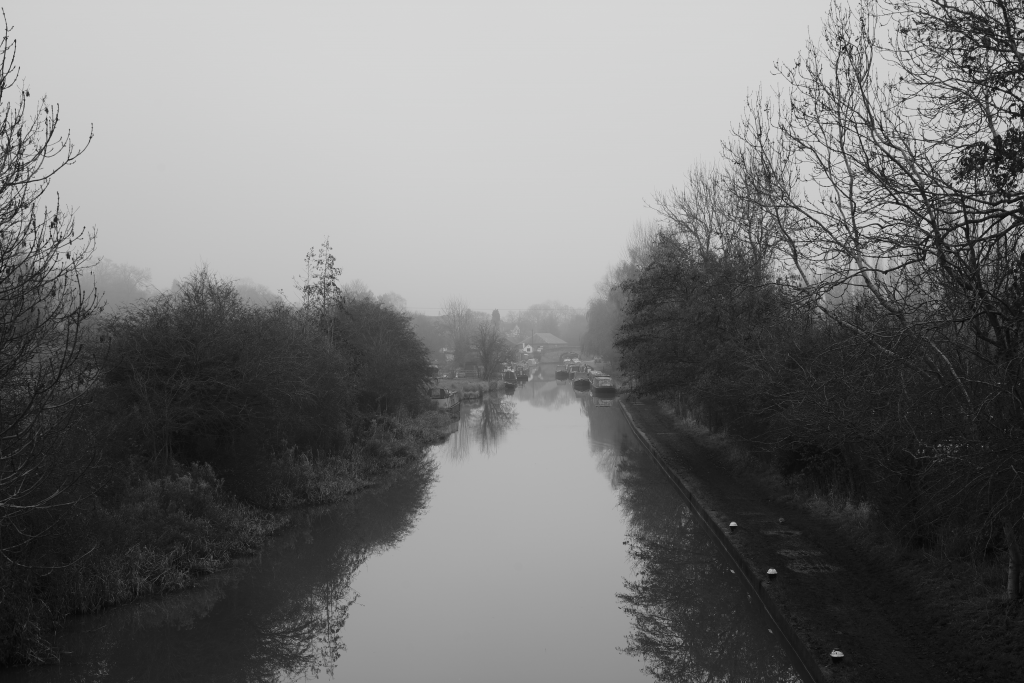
(430, 141)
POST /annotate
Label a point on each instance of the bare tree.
(701, 211)
(43, 304)
(119, 284)
(893, 173)
(321, 295)
(457, 321)
(493, 346)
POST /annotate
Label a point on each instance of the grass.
(856, 516)
(966, 595)
(159, 534)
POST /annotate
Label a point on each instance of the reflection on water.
(491, 422)
(692, 617)
(540, 544)
(482, 424)
(547, 393)
(279, 619)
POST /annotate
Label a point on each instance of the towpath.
(833, 594)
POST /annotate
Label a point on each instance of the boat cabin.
(443, 398)
(602, 384)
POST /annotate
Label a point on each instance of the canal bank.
(539, 542)
(829, 592)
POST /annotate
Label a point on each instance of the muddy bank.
(831, 591)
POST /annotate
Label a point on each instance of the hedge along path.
(829, 593)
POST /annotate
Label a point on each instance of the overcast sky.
(497, 151)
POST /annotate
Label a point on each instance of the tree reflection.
(492, 422)
(692, 618)
(304, 638)
(457, 447)
(283, 620)
(483, 424)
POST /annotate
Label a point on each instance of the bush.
(208, 376)
(392, 366)
(206, 411)
(157, 535)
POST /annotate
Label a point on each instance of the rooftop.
(544, 338)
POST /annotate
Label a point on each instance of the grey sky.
(497, 151)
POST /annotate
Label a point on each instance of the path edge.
(811, 671)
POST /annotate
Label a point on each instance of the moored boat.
(563, 372)
(581, 382)
(508, 376)
(443, 399)
(601, 383)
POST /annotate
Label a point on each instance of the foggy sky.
(497, 151)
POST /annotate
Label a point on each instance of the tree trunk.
(1013, 566)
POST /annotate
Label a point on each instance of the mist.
(497, 153)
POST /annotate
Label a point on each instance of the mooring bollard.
(733, 526)
(837, 657)
(772, 574)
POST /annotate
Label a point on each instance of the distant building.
(544, 339)
(539, 343)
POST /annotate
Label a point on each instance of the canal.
(539, 543)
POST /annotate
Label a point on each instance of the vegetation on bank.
(145, 446)
(844, 289)
(198, 419)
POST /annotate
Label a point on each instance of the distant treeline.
(846, 287)
(143, 446)
(486, 340)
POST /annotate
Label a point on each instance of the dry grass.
(853, 515)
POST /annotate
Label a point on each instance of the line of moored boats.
(514, 375)
(583, 376)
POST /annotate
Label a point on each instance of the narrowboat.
(443, 399)
(581, 382)
(601, 383)
(509, 378)
(521, 373)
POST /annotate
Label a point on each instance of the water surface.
(539, 544)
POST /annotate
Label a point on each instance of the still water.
(540, 543)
